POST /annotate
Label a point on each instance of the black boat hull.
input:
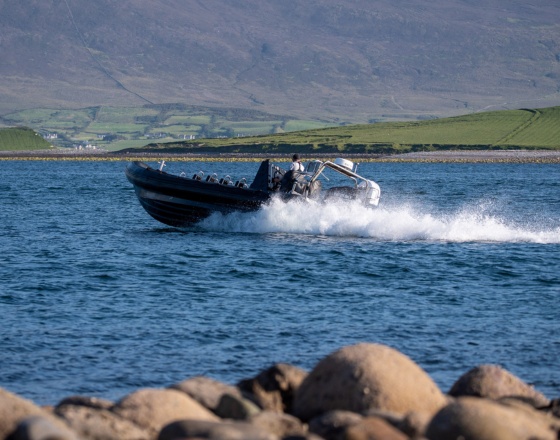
(180, 201)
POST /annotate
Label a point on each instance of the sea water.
(458, 266)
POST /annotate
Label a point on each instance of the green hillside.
(21, 139)
(510, 129)
(115, 128)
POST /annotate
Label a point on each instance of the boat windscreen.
(261, 179)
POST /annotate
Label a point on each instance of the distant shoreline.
(451, 156)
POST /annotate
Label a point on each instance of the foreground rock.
(152, 409)
(206, 391)
(493, 382)
(367, 376)
(374, 428)
(274, 389)
(281, 425)
(196, 429)
(100, 424)
(360, 392)
(333, 424)
(483, 419)
(16, 412)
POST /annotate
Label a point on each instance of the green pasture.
(245, 131)
(134, 123)
(21, 139)
(251, 128)
(188, 120)
(298, 125)
(49, 119)
(124, 115)
(543, 128)
(125, 144)
(177, 130)
(525, 128)
(115, 128)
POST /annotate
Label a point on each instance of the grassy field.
(136, 128)
(141, 125)
(511, 129)
(21, 139)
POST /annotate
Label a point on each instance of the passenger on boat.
(296, 164)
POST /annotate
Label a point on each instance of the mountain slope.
(354, 60)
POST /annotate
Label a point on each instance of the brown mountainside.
(350, 60)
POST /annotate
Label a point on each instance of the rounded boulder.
(100, 424)
(484, 419)
(15, 410)
(206, 391)
(152, 409)
(493, 382)
(367, 376)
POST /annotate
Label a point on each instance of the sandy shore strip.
(474, 156)
(450, 156)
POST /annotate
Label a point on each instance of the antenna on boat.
(162, 164)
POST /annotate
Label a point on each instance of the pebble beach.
(490, 156)
(449, 156)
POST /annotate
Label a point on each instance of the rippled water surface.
(458, 267)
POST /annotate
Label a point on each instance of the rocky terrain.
(364, 391)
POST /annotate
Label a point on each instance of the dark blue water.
(459, 266)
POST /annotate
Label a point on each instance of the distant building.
(85, 147)
(156, 135)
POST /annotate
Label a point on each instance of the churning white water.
(400, 223)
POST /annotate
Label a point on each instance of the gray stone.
(282, 425)
(14, 409)
(41, 428)
(332, 424)
(191, 429)
(90, 402)
(485, 419)
(152, 409)
(206, 391)
(100, 424)
(274, 388)
(235, 407)
(414, 424)
(374, 428)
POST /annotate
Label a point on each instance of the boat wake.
(400, 223)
